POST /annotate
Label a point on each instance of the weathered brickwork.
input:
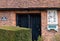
(45, 33)
(29, 3)
(3, 4)
(10, 18)
(11, 15)
(11, 21)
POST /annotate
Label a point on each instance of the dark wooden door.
(35, 25)
(30, 21)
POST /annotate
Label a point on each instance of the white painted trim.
(51, 19)
(56, 16)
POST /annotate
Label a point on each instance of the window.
(52, 19)
(3, 18)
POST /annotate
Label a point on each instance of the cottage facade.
(32, 13)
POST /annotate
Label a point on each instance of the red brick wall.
(11, 21)
(47, 35)
(29, 3)
(10, 15)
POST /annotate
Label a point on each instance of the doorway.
(30, 21)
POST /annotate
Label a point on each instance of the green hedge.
(40, 38)
(10, 33)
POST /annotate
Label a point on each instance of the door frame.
(30, 12)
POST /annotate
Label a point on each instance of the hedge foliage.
(10, 33)
(40, 38)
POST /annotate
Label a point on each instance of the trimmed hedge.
(10, 33)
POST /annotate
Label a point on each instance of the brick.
(10, 18)
(29, 3)
(45, 33)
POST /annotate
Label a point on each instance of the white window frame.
(56, 16)
(50, 20)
